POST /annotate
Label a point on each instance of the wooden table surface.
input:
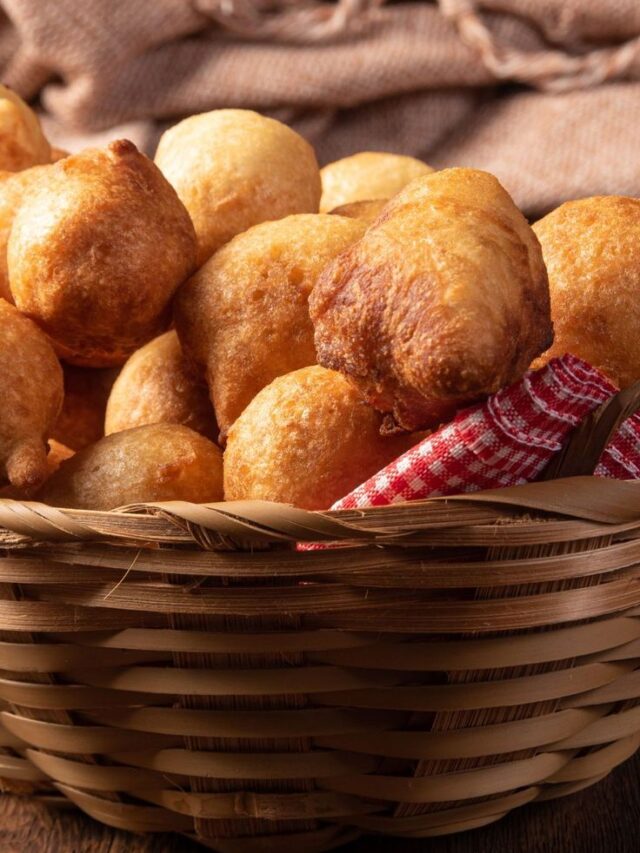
(601, 819)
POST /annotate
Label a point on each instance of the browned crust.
(96, 252)
(443, 301)
(31, 393)
(592, 251)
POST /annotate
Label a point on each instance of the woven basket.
(183, 668)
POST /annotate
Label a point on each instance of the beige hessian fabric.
(545, 93)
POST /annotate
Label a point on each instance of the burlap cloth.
(544, 93)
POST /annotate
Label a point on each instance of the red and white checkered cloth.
(508, 439)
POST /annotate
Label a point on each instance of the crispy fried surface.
(86, 390)
(367, 175)
(367, 211)
(31, 394)
(234, 169)
(156, 385)
(592, 251)
(444, 300)
(22, 142)
(244, 316)
(306, 439)
(156, 462)
(96, 252)
(14, 187)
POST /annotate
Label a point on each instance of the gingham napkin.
(507, 440)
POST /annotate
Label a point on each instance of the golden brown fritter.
(367, 175)
(86, 390)
(96, 252)
(244, 316)
(367, 211)
(22, 142)
(31, 395)
(236, 168)
(444, 300)
(157, 462)
(592, 251)
(14, 186)
(156, 385)
(306, 439)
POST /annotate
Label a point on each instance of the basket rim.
(581, 499)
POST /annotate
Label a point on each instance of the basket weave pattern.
(183, 668)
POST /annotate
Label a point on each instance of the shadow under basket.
(183, 668)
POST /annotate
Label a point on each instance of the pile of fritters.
(231, 322)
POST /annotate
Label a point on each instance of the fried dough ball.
(367, 175)
(97, 251)
(14, 187)
(22, 142)
(592, 251)
(443, 301)
(86, 391)
(368, 211)
(306, 439)
(156, 385)
(236, 168)
(31, 393)
(157, 462)
(244, 316)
